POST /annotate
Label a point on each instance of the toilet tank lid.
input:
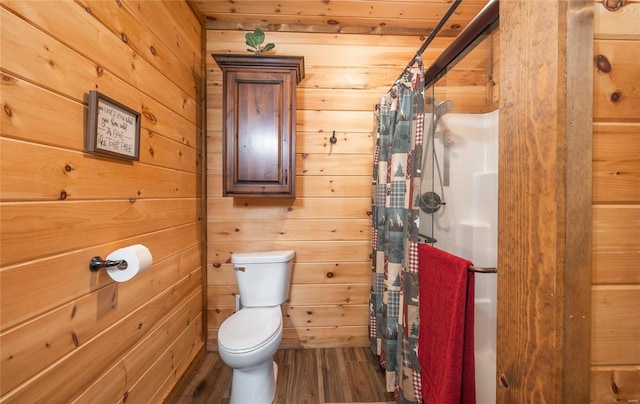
(262, 257)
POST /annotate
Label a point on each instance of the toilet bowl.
(248, 339)
(247, 342)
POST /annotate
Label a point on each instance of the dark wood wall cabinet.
(259, 124)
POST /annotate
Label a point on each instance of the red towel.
(445, 342)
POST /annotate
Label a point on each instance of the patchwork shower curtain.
(394, 317)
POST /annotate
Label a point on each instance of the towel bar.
(483, 270)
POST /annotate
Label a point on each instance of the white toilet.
(249, 338)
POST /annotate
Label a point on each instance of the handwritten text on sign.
(116, 129)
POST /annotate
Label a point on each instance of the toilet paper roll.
(138, 259)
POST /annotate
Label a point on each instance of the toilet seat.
(249, 329)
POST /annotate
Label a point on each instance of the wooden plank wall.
(328, 224)
(615, 350)
(69, 335)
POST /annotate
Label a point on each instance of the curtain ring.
(616, 6)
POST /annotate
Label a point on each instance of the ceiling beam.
(330, 29)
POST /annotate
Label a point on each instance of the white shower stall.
(464, 175)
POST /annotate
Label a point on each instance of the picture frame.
(113, 129)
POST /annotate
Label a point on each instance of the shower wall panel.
(467, 225)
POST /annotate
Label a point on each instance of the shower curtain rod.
(486, 19)
(432, 35)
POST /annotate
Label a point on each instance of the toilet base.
(255, 385)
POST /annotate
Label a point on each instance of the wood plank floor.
(305, 376)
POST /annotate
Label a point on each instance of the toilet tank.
(263, 277)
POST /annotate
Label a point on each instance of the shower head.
(442, 108)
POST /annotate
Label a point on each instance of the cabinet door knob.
(286, 177)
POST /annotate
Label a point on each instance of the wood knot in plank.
(74, 337)
(504, 381)
(613, 5)
(614, 387)
(149, 116)
(8, 79)
(603, 64)
(616, 96)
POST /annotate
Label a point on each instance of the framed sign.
(112, 128)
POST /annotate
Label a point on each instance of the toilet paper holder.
(98, 263)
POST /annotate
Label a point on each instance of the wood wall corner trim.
(544, 194)
(579, 141)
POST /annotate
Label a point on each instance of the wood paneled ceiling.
(377, 17)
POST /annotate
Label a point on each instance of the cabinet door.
(259, 140)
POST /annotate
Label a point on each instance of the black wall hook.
(333, 139)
